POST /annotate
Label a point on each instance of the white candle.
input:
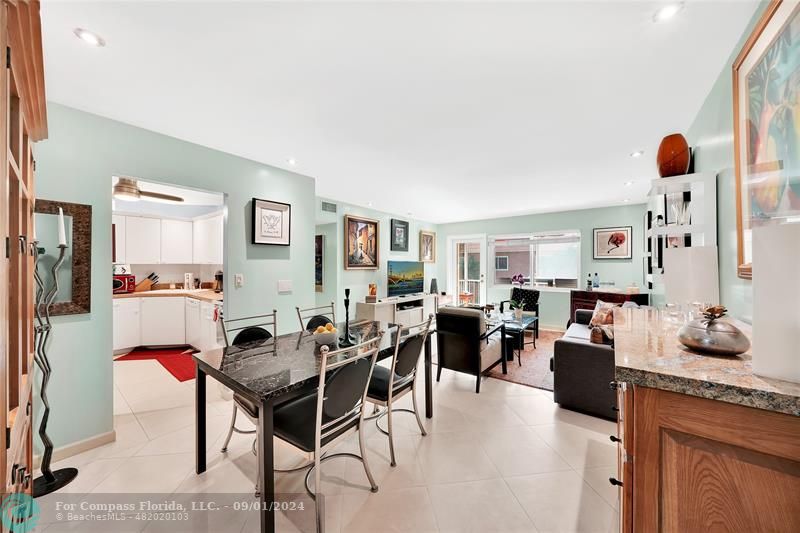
(62, 232)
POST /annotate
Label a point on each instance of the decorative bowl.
(327, 338)
(717, 337)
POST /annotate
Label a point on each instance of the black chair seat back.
(528, 297)
(344, 388)
(317, 321)
(250, 335)
(408, 355)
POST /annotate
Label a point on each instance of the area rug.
(177, 361)
(535, 369)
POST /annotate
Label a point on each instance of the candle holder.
(49, 481)
(346, 340)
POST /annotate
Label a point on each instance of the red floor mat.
(177, 361)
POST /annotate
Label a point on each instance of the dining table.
(276, 370)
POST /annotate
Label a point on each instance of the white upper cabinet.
(118, 253)
(142, 240)
(176, 242)
(207, 240)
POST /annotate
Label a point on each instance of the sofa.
(462, 343)
(582, 371)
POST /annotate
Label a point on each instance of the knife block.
(144, 285)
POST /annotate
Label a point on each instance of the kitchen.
(168, 264)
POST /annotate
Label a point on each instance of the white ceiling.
(450, 111)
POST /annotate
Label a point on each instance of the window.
(549, 259)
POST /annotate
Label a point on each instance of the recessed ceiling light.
(369, 204)
(410, 213)
(628, 183)
(89, 37)
(626, 200)
(667, 12)
(637, 153)
(292, 161)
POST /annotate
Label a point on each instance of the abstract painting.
(360, 243)
(319, 250)
(427, 246)
(613, 243)
(399, 240)
(766, 94)
(271, 222)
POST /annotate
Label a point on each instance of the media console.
(404, 310)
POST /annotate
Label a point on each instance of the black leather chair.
(463, 345)
(530, 304)
(399, 378)
(313, 317)
(318, 421)
(582, 371)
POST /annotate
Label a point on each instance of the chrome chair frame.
(304, 315)
(328, 363)
(410, 378)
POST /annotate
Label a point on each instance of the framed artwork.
(272, 222)
(399, 241)
(613, 243)
(427, 246)
(360, 243)
(766, 112)
(319, 250)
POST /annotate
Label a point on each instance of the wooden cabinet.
(176, 241)
(118, 239)
(142, 240)
(208, 240)
(588, 299)
(127, 327)
(698, 465)
(194, 334)
(163, 321)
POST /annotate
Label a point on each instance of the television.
(405, 277)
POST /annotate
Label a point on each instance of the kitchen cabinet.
(142, 240)
(118, 225)
(163, 321)
(696, 464)
(176, 241)
(207, 240)
(127, 332)
(194, 334)
(208, 326)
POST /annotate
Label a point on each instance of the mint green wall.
(711, 135)
(554, 306)
(358, 280)
(76, 164)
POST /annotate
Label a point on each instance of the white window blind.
(547, 259)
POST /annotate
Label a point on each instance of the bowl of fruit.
(325, 334)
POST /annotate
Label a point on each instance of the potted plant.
(516, 305)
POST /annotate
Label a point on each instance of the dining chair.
(318, 421)
(249, 330)
(399, 378)
(313, 317)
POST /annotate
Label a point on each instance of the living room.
(553, 248)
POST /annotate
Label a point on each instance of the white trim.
(451, 282)
(64, 452)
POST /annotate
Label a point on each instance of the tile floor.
(506, 460)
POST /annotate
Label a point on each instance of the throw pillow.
(603, 314)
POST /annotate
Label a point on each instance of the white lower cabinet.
(208, 326)
(193, 331)
(163, 321)
(127, 332)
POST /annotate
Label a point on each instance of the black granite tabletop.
(288, 362)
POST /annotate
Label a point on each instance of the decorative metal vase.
(713, 336)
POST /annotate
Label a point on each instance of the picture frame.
(361, 243)
(766, 97)
(427, 246)
(319, 262)
(271, 223)
(398, 241)
(612, 243)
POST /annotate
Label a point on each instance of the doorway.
(466, 266)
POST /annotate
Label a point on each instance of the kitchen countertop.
(648, 354)
(206, 295)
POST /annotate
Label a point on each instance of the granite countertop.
(648, 354)
(206, 295)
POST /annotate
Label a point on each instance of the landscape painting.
(360, 243)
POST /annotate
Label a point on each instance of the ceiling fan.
(128, 189)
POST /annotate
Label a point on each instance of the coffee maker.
(218, 281)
